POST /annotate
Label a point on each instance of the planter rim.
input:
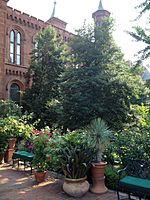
(99, 163)
(76, 179)
(12, 138)
(35, 171)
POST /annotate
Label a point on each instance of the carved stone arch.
(14, 88)
(17, 28)
(12, 80)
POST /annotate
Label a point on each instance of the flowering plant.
(40, 140)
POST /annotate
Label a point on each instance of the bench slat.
(142, 185)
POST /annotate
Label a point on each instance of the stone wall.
(28, 26)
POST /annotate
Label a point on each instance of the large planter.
(98, 178)
(76, 187)
(8, 155)
(40, 176)
(10, 150)
(11, 143)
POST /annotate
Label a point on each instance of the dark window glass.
(15, 93)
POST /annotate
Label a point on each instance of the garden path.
(20, 185)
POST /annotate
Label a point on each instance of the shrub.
(111, 177)
(40, 141)
(9, 108)
(71, 153)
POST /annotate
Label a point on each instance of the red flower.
(36, 131)
(30, 147)
(40, 135)
(49, 134)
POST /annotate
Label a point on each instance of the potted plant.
(100, 135)
(40, 162)
(3, 146)
(14, 128)
(73, 154)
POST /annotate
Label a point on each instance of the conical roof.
(53, 13)
(100, 7)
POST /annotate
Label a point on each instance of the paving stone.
(20, 185)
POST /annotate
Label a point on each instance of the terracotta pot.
(98, 178)
(10, 150)
(75, 187)
(11, 143)
(40, 176)
(8, 155)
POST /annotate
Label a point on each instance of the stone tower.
(3, 15)
(100, 14)
(56, 22)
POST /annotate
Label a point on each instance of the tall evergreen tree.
(97, 82)
(46, 66)
(143, 35)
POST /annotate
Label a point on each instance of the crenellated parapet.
(24, 19)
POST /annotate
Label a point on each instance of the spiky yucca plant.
(100, 135)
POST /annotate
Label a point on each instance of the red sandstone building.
(17, 32)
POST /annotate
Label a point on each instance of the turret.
(100, 14)
(54, 21)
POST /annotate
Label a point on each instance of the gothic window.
(15, 47)
(18, 49)
(15, 93)
(12, 46)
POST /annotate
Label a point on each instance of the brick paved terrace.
(20, 185)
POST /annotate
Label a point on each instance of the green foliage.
(97, 81)
(3, 142)
(100, 135)
(15, 127)
(134, 140)
(9, 108)
(72, 153)
(142, 35)
(40, 140)
(144, 6)
(46, 66)
(111, 177)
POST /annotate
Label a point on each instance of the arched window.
(15, 93)
(12, 46)
(18, 49)
(15, 47)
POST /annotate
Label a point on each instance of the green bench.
(23, 156)
(136, 180)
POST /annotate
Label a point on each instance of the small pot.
(40, 176)
(76, 187)
(98, 178)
